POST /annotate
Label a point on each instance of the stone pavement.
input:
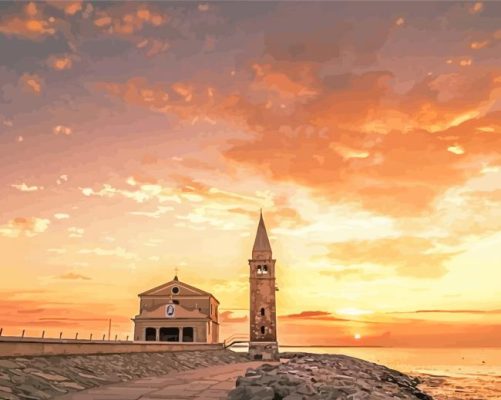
(200, 384)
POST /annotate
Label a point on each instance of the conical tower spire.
(262, 245)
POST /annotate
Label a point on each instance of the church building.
(177, 312)
(263, 343)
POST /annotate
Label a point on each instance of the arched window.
(262, 312)
(263, 329)
(265, 269)
(259, 269)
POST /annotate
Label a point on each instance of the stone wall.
(47, 377)
(33, 347)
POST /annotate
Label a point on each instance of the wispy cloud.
(74, 276)
(23, 187)
(22, 226)
(75, 232)
(115, 252)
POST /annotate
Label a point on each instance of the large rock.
(325, 377)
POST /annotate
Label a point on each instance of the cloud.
(227, 317)
(447, 312)
(476, 8)
(152, 214)
(61, 216)
(392, 153)
(333, 36)
(320, 316)
(33, 25)
(116, 252)
(31, 311)
(75, 232)
(145, 192)
(60, 63)
(32, 83)
(410, 256)
(127, 20)
(62, 130)
(74, 276)
(57, 250)
(21, 226)
(308, 314)
(69, 7)
(61, 179)
(23, 187)
(351, 273)
(153, 47)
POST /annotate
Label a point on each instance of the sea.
(446, 373)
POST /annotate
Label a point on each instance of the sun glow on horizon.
(354, 311)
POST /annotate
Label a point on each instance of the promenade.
(204, 383)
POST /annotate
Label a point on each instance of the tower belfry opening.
(263, 322)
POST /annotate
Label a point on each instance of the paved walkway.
(199, 384)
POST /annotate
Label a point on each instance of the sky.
(141, 137)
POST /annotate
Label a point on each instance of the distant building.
(177, 312)
(263, 320)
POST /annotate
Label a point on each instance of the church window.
(259, 269)
(262, 312)
(265, 269)
(263, 329)
(175, 290)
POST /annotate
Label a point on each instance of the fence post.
(104, 336)
(76, 336)
(90, 336)
(22, 335)
(116, 336)
(127, 338)
(1, 330)
(43, 334)
(60, 335)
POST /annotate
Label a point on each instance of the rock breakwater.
(326, 377)
(39, 378)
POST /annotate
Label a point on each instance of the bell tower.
(263, 320)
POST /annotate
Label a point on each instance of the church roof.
(164, 289)
(261, 243)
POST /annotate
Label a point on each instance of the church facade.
(263, 343)
(177, 312)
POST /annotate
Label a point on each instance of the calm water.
(448, 374)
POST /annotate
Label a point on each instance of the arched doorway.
(169, 334)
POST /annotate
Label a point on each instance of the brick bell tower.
(263, 320)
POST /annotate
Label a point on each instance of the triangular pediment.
(168, 289)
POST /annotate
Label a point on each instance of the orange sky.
(136, 138)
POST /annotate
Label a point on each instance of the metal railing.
(237, 338)
(76, 338)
